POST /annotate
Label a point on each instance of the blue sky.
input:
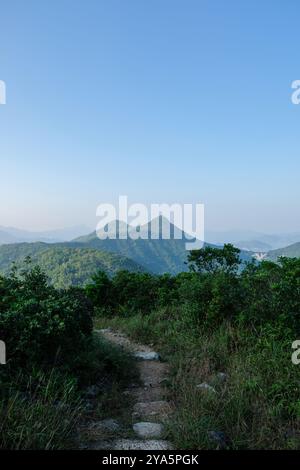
(163, 101)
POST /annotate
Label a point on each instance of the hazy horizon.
(165, 102)
(90, 229)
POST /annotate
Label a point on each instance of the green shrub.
(48, 335)
(100, 291)
(272, 294)
(39, 324)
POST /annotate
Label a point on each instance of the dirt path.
(150, 408)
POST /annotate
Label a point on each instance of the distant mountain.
(253, 245)
(253, 241)
(246, 240)
(64, 265)
(73, 262)
(6, 237)
(156, 255)
(15, 235)
(291, 251)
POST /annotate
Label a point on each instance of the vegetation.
(52, 356)
(65, 264)
(216, 324)
(216, 319)
(157, 256)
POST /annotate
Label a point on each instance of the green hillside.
(291, 251)
(157, 256)
(64, 265)
(73, 263)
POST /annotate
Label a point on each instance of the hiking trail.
(145, 428)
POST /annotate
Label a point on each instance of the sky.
(163, 101)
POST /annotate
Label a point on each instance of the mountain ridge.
(64, 265)
(290, 251)
(157, 255)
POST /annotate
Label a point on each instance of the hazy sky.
(163, 101)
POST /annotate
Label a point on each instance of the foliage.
(48, 336)
(211, 260)
(41, 325)
(272, 294)
(66, 264)
(215, 319)
(213, 291)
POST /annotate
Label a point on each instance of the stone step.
(147, 356)
(148, 430)
(129, 444)
(151, 409)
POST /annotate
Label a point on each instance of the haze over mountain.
(157, 255)
(15, 235)
(251, 240)
(243, 239)
(291, 251)
(73, 262)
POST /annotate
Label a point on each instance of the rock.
(147, 356)
(92, 391)
(146, 430)
(220, 438)
(129, 444)
(150, 409)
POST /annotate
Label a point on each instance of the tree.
(212, 260)
(100, 290)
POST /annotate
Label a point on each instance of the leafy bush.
(214, 290)
(100, 290)
(135, 291)
(41, 325)
(272, 294)
(211, 260)
(128, 292)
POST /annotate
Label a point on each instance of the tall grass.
(40, 412)
(42, 409)
(257, 406)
